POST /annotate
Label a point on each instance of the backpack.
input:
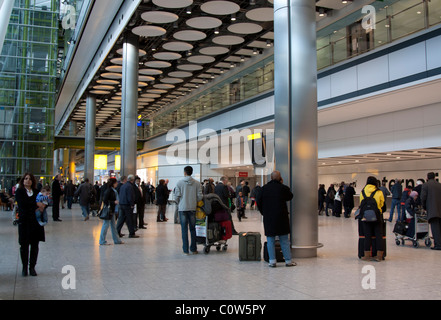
(369, 211)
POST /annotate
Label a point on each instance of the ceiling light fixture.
(233, 17)
(188, 10)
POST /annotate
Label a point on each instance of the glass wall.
(28, 82)
(394, 20)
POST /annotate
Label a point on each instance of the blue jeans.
(395, 203)
(104, 229)
(188, 220)
(284, 244)
(85, 211)
(69, 202)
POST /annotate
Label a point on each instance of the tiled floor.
(153, 267)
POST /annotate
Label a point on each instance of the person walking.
(56, 195)
(397, 191)
(431, 201)
(161, 201)
(30, 232)
(110, 199)
(84, 193)
(69, 190)
(321, 199)
(126, 205)
(188, 194)
(373, 228)
(271, 202)
(330, 195)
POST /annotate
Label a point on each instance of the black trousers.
(140, 212)
(56, 208)
(435, 225)
(373, 229)
(24, 254)
(125, 215)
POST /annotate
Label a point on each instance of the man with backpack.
(371, 215)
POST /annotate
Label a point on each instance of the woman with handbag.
(373, 228)
(110, 207)
(30, 232)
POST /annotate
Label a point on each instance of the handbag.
(105, 213)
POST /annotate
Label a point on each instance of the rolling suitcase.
(250, 246)
(361, 238)
(279, 254)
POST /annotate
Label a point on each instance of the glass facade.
(28, 78)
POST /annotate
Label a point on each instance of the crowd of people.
(125, 201)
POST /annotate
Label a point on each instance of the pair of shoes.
(86, 218)
(272, 265)
(244, 217)
(105, 244)
(58, 220)
(142, 227)
(291, 264)
(32, 271)
(121, 235)
(185, 253)
(133, 236)
(194, 252)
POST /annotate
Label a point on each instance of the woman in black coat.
(30, 233)
(271, 201)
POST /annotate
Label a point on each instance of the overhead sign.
(100, 162)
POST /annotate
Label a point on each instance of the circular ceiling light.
(99, 92)
(142, 84)
(163, 86)
(111, 75)
(245, 28)
(145, 78)
(174, 4)
(180, 74)
(157, 91)
(159, 17)
(177, 46)
(145, 100)
(167, 56)
(141, 52)
(114, 69)
(228, 40)
(149, 31)
(214, 51)
(190, 67)
(151, 95)
(171, 80)
(150, 72)
(109, 82)
(157, 64)
(220, 7)
(204, 22)
(118, 61)
(189, 35)
(261, 14)
(102, 87)
(201, 59)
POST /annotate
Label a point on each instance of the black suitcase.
(374, 245)
(279, 254)
(250, 246)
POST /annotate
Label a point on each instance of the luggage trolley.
(215, 228)
(421, 231)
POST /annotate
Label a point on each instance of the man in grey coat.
(188, 193)
(431, 200)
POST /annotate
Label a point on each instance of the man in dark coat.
(56, 194)
(431, 200)
(348, 200)
(126, 204)
(271, 202)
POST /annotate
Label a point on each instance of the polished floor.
(153, 266)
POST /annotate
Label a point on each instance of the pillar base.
(305, 251)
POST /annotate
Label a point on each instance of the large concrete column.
(89, 156)
(72, 152)
(295, 60)
(129, 104)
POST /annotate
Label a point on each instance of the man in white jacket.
(188, 193)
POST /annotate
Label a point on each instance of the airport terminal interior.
(326, 92)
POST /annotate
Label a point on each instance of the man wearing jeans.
(271, 202)
(188, 193)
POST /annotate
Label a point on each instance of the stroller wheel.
(416, 244)
(428, 242)
(207, 250)
(397, 242)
